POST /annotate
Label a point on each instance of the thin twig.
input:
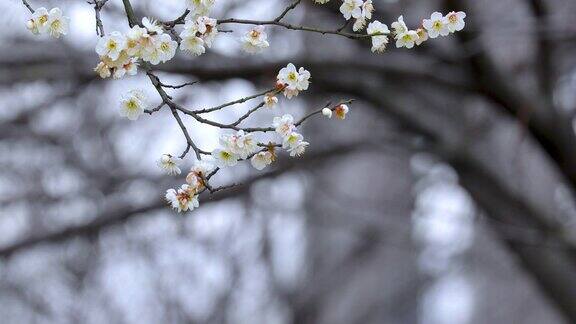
(98, 4)
(290, 7)
(319, 111)
(296, 27)
(180, 20)
(241, 100)
(153, 110)
(28, 6)
(164, 85)
(247, 114)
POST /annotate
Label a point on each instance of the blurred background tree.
(447, 196)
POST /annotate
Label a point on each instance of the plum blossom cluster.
(48, 22)
(340, 111)
(437, 25)
(199, 33)
(240, 145)
(119, 53)
(292, 141)
(361, 11)
(292, 81)
(185, 198)
(234, 147)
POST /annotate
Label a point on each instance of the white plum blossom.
(292, 140)
(111, 45)
(408, 39)
(351, 9)
(200, 7)
(245, 144)
(164, 49)
(422, 36)
(129, 67)
(135, 38)
(152, 26)
(224, 158)
(293, 80)
(341, 111)
(378, 42)
(327, 112)
(261, 160)
(240, 144)
(437, 25)
(168, 165)
(167, 47)
(199, 172)
(191, 43)
(455, 21)
(255, 40)
(31, 26)
(57, 23)
(103, 70)
(183, 199)
(133, 104)
(202, 167)
(270, 100)
(207, 28)
(123, 65)
(399, 27)
(38, 23)
(367, 9)
(299, 149)
(284, 125)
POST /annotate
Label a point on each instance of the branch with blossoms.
(148, 43)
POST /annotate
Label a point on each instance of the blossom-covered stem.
(290, 7)
(231, 103)
(296, 27)
(158, 85)
(28, 6)
(319, 111)
(247, 129)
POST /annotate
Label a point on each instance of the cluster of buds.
(340, 111)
